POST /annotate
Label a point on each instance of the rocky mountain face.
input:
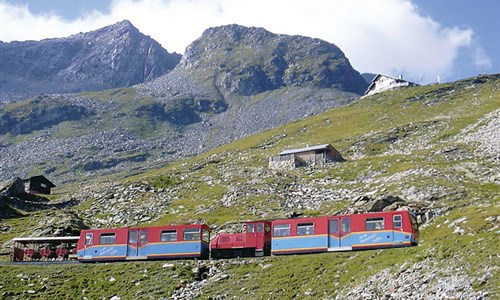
(245, 61)
(114, 56)
(232, 82)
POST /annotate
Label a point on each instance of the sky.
(422, 40)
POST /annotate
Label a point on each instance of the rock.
(169, 266)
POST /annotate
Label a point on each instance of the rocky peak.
(118, 30)
(114, 56)
(251, 60)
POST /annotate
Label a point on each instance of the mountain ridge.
(114, 56)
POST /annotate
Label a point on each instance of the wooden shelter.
(38, 185)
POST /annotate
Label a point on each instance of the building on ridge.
(381, 83)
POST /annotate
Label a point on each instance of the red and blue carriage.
(159, 242)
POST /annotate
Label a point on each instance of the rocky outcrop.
(59, 223)
(12, 188)
(114, 56)
(247, 61)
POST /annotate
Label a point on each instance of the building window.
(107, 238)
(192, 234)
(88, 238)
(281, 230)
(205, 235)
(168, 236)
(43, 185)
(398, 221)
(374, 224)
(305, 229)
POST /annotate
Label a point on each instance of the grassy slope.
(431, 113)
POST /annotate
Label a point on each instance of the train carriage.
(255, 240)
(160, 242)
(342, 233)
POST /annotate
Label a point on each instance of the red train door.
(133, 243)
(258, 236)
(333, 234)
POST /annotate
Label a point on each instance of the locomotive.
(259, 238)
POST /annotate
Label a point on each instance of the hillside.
(114, 56)
(232, 82)
(434, 148)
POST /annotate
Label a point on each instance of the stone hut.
(308, 156)
(382, 83)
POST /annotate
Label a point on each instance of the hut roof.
(306, 149)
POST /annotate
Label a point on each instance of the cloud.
(388, 36)
(481, 60)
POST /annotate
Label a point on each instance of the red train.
(259, 238)
(319, 234)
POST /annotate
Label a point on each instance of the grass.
(201, 182)
(129, 280)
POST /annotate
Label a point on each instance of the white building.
(382, 83)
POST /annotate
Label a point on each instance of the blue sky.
(452, 39)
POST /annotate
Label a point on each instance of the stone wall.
(281, 164)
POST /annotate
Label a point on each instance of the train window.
(346, 225)
(168, 236)
(374, 224)
(398, 221)
(143, 236)
(132, 237)
(305, 229)
(191, 234)
(334, 224)
(88, 238)
(205, 235)
(281, 230)
(107, 238)
(250, 228)
(260, 227)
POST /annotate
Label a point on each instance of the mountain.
(114, 56)
(368, 77)
(433, 149)
(232, 82)
(246, 61)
